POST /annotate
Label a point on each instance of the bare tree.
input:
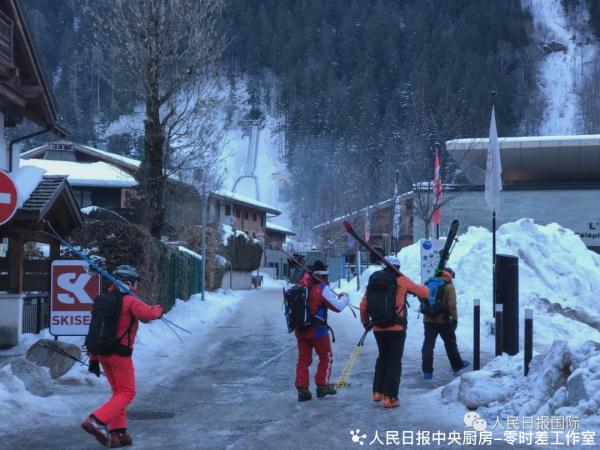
(169, 49)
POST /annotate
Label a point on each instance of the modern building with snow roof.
(546, 178)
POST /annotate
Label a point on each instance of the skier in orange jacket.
(390, 332)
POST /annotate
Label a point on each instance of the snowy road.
(226, 397)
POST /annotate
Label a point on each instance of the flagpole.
(493, 95)
(494, 261)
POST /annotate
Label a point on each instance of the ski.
(445, 254)
(104, 273)
(350, 230)
(99, 269)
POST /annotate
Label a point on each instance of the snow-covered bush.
(243, 252)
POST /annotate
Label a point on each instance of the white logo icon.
(76, 285)
(472, 420)
(357, 437)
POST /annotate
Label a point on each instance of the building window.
(255, 217)
(262, 220)
(246, 215)
(227, 210)
(83, 197)
(238, 214)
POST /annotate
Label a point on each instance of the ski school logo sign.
(72, 296)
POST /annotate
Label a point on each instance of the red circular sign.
(8, 198)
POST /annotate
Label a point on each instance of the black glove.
(367, 325)
(454, 324)
(94, 367)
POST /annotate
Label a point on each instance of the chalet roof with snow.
(23, 85)
(274, 228)
(97, 174)
(52, 199)
(242, 200)
(71, 151)
(532, 159)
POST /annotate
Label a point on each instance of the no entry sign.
(72, 296)
(8, 198)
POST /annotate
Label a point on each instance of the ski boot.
(119, 438)
(464, 366)
(389, 402)
(303, 394)
(325, 389)
(97, 429)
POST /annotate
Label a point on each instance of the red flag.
(436, 217)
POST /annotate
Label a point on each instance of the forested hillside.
(363, 85)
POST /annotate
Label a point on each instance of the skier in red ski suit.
(321, 298)
(108, 423)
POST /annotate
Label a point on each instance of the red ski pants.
(322, 347)
(120, 375)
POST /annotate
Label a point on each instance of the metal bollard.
(499, 331)
(528, 339)
(476, 334)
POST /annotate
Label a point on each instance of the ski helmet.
(126, 273)
(393, 260)
(451, 272)
(319, 268)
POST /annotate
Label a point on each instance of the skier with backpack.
(384, 307)
(306, 306)
(440, 316)
(110, 341)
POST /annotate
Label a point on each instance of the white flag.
(493, 170)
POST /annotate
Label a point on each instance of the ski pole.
(347, 370)
(316, 277)
(66, 354)
(104, 273)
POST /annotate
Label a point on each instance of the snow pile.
(18, 405)
(26, 179)
(564, 382)
(559, 278)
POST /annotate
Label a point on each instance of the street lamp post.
(204, 205)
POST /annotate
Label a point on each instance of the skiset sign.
(72, 294)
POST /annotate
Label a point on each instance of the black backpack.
(381, 299)
(297, 308)
(102, 336)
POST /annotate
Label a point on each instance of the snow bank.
(26, 180)
(559, 278)
(564, 382)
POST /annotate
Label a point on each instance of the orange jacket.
(405, 286)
